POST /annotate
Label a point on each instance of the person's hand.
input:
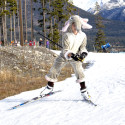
(78, 57)
(69, 55)
(83, 55)
(75, 57)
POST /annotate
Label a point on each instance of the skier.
(73, 52)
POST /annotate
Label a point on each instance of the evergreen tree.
(3, 13)
(26, 38)
(50, 27)
(62, 10)
(7, 8)
(54, 13)
(100, 36)
(32, 33)
(21, 24)
(18, 20)
(58, 15)
(13, 11)
(0, 24)
(42, 11)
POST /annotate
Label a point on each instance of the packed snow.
(105, 79)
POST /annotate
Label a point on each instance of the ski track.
(106, 84)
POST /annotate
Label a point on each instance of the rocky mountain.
(113, 10)
(112, 4)
(87, 4)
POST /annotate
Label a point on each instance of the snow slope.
(106, 83)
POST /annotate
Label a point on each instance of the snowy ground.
(106, 84)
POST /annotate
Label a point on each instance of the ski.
(90, 102)
(33, 99)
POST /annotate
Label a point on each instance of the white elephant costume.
(71, 44)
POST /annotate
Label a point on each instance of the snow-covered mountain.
(107, 4)
(87, 4)
(113, 4)
(112, 9)
(114, 14)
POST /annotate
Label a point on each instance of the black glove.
(78, 57)
(75, 56)
(83, 55)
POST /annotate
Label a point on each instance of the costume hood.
(79, 23)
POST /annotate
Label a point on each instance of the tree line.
(14, 22)
(8, 9)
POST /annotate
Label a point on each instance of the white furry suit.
(71, 44)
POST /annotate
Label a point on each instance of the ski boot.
(84, 92)
(48, 89)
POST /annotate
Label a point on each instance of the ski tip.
(11, 108)
(95, 105)
(90, 102)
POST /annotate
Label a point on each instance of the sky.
(86, 4)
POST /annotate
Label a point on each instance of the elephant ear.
(67, 24)
(84, 23)
(85, 20)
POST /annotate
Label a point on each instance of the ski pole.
(50, 40)
(57, 45)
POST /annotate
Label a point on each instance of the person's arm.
(83, 46)
(66, 49)
(82, 49)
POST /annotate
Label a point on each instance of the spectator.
(30, 43)
(0, 43)
(18, 43)
(12, 42)
(34, 42)
(47, 44)
(37, 43)
(40, 42)
(26, 43)
(15, 43)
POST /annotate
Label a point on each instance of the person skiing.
(73, 52)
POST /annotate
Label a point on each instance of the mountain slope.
(114, 30)
(114, 14)
(113, 10)
(85, 5)
(105, 82)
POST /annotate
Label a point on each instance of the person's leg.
(53, 74)
(79, 72)
(83, 86)
(55, 70)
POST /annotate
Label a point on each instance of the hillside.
(114, 14)
(24, 68)
(114, 29)
(106, 84)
